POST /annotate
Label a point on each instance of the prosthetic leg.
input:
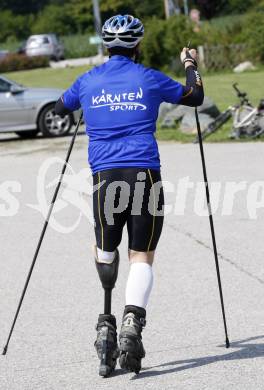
(106, 342)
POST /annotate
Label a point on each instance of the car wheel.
(27, 133)
(52, 125)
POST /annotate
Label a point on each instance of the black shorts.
(131, 196)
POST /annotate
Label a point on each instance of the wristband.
(190, 60)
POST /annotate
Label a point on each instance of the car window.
(4, 86)
(45, 40)
(38, 41)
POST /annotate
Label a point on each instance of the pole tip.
(227, 343)
(4, 351)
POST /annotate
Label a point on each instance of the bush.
(179, 32)
(77, 46)
(152, 46)
(164, 40)
(11, 45)
(252, 33)
(15, 62)
(224, 29)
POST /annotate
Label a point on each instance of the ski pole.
(211, 225)
(43, 233)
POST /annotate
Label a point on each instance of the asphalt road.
(52, 345)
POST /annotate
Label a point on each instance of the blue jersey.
(120, 102)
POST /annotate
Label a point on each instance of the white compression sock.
(139, 284)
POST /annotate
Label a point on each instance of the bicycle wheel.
(218, 122)
(258, 132)
(259, 129)
(247, 123)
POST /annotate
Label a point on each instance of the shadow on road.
(245, 350)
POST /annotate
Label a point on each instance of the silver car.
(44, 45)
(28, 111)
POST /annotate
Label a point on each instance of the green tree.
(54, 19)
(14, 27)
(210, 8)
(213, 8)
(139, 8)
(81, 12)
(259, 6)
(23, 7)
(239, 6)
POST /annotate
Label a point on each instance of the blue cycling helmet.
(122, 31)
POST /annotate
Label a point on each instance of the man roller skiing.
(120, 100)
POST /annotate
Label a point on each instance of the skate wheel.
(130, 363)
(105, 370)
(123, 361)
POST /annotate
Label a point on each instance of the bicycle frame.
(247, 120)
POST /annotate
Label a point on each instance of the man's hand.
(189, 57)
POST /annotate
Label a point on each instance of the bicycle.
(248, 120)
